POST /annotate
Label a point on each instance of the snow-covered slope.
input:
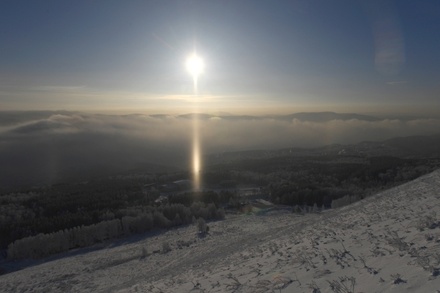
(386, 243)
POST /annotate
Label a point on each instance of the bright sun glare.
(195, 65)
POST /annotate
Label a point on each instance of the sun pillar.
(195, 66)
(196, 152)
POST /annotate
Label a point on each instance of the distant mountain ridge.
(302, 116)
(17, 117)
(327, 116)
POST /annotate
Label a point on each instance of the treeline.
(330, 183)
(127, 205)
(321, 179)
(67, 207)
(209, 196)
(141, 221)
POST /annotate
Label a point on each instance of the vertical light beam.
(196, 152)
(195, 66)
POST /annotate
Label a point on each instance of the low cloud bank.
(63, 144)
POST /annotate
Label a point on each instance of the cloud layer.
(50, 146)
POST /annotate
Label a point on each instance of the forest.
(72, 215)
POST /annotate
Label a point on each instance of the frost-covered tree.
(202, 228)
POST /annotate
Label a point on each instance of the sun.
(195, 65)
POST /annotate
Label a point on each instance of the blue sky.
(130, 55)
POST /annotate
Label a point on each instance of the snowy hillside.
(386, 243)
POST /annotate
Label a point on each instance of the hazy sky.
(122, 55)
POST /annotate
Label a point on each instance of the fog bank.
(44, 147)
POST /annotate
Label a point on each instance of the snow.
(389, 242)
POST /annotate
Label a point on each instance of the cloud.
(66, 144)
(54, 124)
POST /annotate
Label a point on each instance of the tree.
(202, 228)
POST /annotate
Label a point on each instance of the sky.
(344, 55)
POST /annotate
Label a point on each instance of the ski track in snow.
(389, 242)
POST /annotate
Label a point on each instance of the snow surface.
(389, 242)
